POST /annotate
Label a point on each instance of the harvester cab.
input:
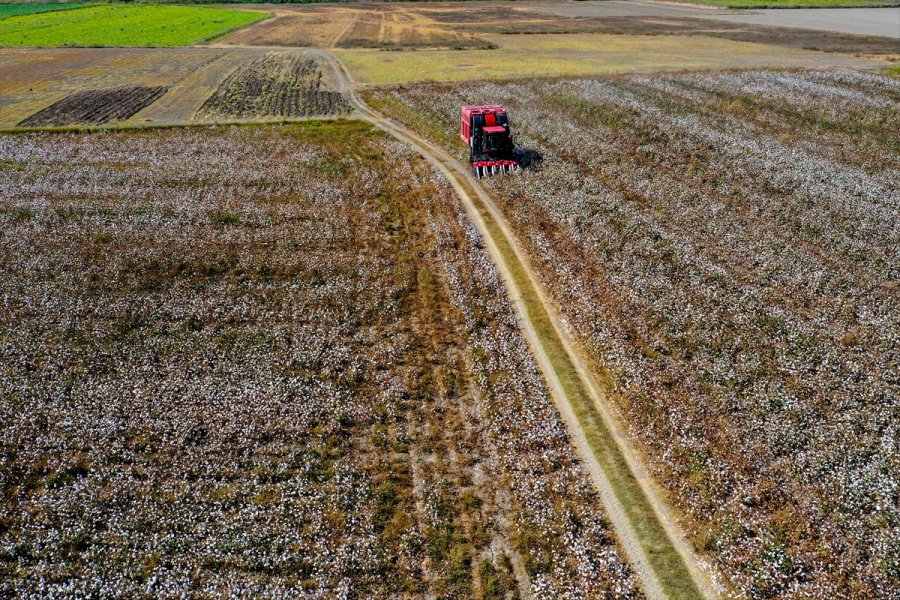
(485, 130)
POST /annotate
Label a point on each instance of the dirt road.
(643, 521)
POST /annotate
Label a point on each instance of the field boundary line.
(218, 36)
(658, 550)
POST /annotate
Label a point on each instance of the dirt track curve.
(644, 522)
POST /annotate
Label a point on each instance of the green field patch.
(117, 25)
(12, 9)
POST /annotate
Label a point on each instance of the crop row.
(268, 362)
(96, 107)
(725, 245)
(276, 84)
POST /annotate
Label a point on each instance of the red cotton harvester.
(485, 129)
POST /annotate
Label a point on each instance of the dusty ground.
(448, 25)
(860, 21)
(884, 22)
(34, 79)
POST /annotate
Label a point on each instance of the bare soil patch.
(415, 26)
(278, 85)
(96, 107)
(356, 26)
(824, 41)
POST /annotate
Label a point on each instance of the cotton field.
(276, 362)
(725, 246)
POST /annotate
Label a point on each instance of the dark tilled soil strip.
(95, 107)
(275, 85)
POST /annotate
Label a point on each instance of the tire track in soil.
(337, 39)
(95, 107)
(651, 539)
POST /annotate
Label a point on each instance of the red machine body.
(485, 130)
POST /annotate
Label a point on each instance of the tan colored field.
(578, 54)
(33, 79)
(448, 25)
(452, 42)
(376, 26)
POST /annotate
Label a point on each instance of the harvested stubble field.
(363, 25)
(488, 25)
(725, 247)
(96, 107)
(34, 79)
(270, 361)
(277, 84)
(553, 55)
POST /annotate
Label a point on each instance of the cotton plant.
(724, 246)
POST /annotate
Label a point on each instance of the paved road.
(866, 21)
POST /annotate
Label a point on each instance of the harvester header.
(485, 130)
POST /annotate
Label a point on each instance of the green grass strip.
(121, 25)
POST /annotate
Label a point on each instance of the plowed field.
(95, 107)
(279, 85)
(35, 79)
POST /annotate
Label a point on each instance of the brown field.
(480, 40)
(449, 25)
(351, 26)
(95, 107)
(35, 79)
(278, 85)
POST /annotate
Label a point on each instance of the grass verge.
(120, 25)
